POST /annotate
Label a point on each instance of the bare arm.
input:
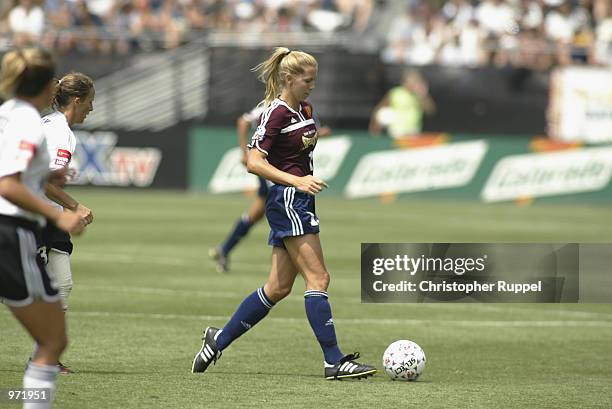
(258, 165)
(59, 196)
(243, 126)
(13, 190)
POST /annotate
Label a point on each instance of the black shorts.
(23, 277)
(54, 238)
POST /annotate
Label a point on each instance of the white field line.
(298, 297)
(264, 268)
(349, 321)
(201, 262)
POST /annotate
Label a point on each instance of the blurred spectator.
(401, 109)
(26, 21)
(91, 31)
(535, 34)
(603, 40)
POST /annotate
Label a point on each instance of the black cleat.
(347, 368)
(208, 353)
(221, 260)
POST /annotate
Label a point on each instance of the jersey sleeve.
(269, 128)
(23, 136)
(58, 145)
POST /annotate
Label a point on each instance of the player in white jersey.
(73, 100)
(26, 79)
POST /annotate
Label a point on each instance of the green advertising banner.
(466, 167)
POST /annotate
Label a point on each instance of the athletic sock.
(320, 318)
(40, 377)
(252, 310)
(242, 227)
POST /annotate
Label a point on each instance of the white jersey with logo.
(254, 114)
(61, 142)
(23, 149)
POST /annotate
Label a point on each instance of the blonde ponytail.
(282, 62)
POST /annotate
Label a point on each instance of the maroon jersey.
(287, 137)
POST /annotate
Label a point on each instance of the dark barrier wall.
(480, 100)
(133, 159)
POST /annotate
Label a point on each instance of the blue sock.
(319, 315)
(242, 227)
(252, 310)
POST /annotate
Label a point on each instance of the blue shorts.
(290, 213)
(263, 188)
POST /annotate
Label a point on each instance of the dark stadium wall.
(133, 159)
(472, 100)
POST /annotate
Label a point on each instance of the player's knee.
(319, 281)
(278, 292)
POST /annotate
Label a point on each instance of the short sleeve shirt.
(287, 137)
(23, 150)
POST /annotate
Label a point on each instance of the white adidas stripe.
(315, 293)
(261, 128)
(262, 298)
(297, 126)
(289, 215)
(300, 227)
(296, 224)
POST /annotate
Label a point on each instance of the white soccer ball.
(404, 360)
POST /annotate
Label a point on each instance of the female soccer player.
(73, 100)
(26, 78)
(281, 151)
(220, 254)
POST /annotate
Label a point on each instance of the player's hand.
(310, 184)
(85, 213)
(70, 222)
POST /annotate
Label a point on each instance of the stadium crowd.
(525, 33)
(528, 33)
(121, 25)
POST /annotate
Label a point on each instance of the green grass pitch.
(144, 290)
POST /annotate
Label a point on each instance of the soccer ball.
(404, 360)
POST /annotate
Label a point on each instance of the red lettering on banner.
(136, 166)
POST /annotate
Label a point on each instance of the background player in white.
(73, 100)
(26, 79)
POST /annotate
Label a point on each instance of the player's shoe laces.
(220, 259)
(209, 351)
(348, 368)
